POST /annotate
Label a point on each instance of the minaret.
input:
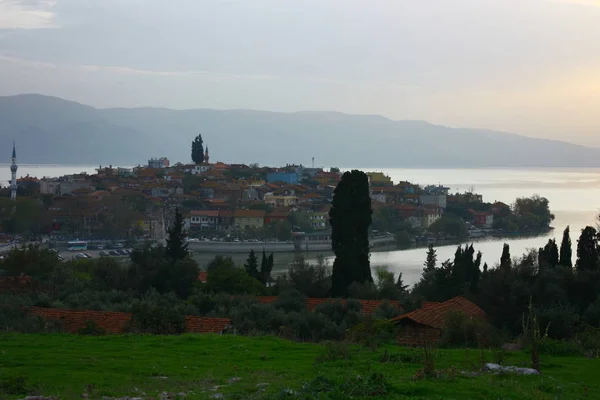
(206, 155)
(13, 173)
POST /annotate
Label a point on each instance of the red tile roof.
(204, 213)
(249, 214)
(203, 276)
(435, 314)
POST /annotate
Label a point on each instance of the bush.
(158, 314)
(13, 385)
(589, 340)
(559, 347)
(334, 351)
(562, 321)
(387, 311)
(291, 300)
(372, 333)
(92, 328)
(14, 319)
(463, 331)
(372, 385)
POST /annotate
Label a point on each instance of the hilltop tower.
(206, 155)
(13, 173)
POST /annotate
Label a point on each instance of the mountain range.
(50, 130)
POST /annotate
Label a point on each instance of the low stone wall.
(116, 322)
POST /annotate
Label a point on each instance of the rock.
(234, 379)
(472, 374)
(261, 385)
(510, 369)
(217, 396)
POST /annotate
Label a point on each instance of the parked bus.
(77, 246)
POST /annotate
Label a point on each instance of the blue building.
(287, 177)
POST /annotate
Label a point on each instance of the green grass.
(65, 366)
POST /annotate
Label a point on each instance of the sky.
(522, 66)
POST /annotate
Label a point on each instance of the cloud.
(27, 14)
(594, 3)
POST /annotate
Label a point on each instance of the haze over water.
(574, 196)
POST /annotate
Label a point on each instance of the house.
(427, 323)
(482, 218)
(379, 196)
(203, 220)
(276, 216)
(500, 208)
(158, 163)
(464, 198)
(248, 219)
(379, 179)
(280, 201)
(438, 200)
(287, 177)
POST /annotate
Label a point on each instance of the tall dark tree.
(266, 266)
(566, 252)
(251, 265)
(350, 218)
(548, 255)
(587, 250)
(177, 247)
(198, 150)
(431, 261)
(505, 261)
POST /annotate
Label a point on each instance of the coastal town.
(227, 207)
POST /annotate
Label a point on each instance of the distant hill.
(56, 131)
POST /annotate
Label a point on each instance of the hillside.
(52, 130)
(237, 367)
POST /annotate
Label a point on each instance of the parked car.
(104, 253)
(100, 247)
(119, 245)
(88, 255)
(113, 253)
(121, 252)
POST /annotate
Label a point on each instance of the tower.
(13, 173)
(206, 155)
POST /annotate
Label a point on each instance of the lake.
(574, 196)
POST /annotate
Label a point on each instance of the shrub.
(387, 311)
(158, 315)
(562, 321)
(372, 333)
(13, 385)
(589, 340)
(14, 319)
(291, 300)
(559, 347)
(371, 385)
(461, 330)
(334, 351)
(92, 328)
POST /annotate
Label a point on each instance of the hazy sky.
(525, 66)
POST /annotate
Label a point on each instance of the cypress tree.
(431, 260)
(587, 250)
(505, 261)
(198, 150)
(566, 252)
(177, 247)
(350, 218)
(251, 265)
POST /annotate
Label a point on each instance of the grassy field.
(231, 367)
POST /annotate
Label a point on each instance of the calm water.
(574, 196)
